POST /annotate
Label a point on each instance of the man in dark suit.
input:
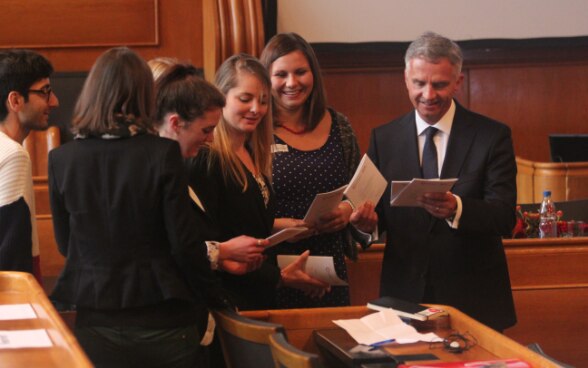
(448, 250)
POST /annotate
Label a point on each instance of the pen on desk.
(376, 345)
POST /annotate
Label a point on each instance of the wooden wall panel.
(368, 99)
(33, 24)
(534, 101)
(179, 32)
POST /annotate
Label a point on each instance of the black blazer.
(467, 267)
(234, 213)
(123, 220)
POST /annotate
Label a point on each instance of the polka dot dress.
(298, 176)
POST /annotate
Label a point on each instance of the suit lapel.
(407, 142)
(463, 132)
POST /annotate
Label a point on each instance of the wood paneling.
(534, 101)
(89, 23)
(38, 144)
(51, 260)
(179, 27)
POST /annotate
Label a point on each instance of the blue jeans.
(142, 347)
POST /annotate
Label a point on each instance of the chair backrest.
(536, 348)
(38, 144)
(245, 342)
(288, 356)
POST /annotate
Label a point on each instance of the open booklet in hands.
(367, 184)
(405, 193)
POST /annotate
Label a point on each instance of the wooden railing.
(566, 180)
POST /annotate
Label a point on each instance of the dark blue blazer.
(466, 267)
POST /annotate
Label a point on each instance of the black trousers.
(129, 347)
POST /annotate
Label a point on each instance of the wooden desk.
(17, 288)
(549, 280)
(301, 323)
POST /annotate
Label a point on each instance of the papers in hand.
(319, 267)
(284, 235)
(367, 184)
(405, 193)
(383, 326)
(323, 203)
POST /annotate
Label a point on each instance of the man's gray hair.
(432, 47)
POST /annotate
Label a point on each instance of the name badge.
(279, 148)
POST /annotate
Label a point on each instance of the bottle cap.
(547, 193)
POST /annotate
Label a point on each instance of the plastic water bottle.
(547, 217)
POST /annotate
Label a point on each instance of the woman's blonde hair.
(161, 64)
(260, 141)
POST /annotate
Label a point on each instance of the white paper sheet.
(383, 326)
(24, 339)
(16, 311)
(323, 203)
(367, 184)
(404, 194)
(284, 235)
(320, 267)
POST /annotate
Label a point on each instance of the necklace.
(292, 130)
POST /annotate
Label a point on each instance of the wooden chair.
(288, 356)
(245, 342)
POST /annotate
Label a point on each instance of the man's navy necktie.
(430, 167)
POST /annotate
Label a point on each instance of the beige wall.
(393, 20)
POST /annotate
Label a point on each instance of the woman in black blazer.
(233, 176)
(136, 267)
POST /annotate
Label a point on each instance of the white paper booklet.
(383, 326)
(284, 235)
(320, 267)
(323, 203)
(16, 311)
(367, 184)
(404, 194)
(24, 339)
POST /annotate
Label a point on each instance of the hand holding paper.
(406, 193)
(319, 267)
(367, 184)
(323, 203)
(285, 234)
(293, 275)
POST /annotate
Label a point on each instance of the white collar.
(444, 124)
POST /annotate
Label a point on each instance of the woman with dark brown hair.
(315, 151)
(135, 265)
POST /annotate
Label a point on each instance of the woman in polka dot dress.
(315, 151)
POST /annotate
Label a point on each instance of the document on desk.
(284, 234)
(382, 327)
(16, 311)
(323, 203)
(320, 267)
(24, 339)
(405, 193)
(367, 184)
